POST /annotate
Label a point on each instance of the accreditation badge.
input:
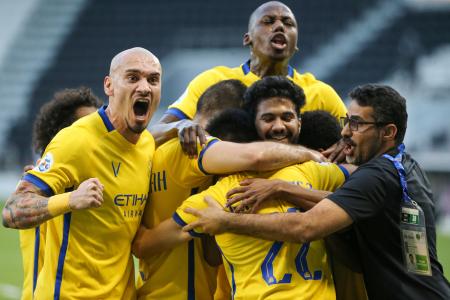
(416, 256)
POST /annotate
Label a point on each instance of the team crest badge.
(45, 163)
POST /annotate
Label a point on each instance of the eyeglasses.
(354, 123)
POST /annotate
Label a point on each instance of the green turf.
(10, 262)
(11, 266)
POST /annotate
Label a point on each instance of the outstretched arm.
(170, 126)
(163, 237)
(252, 193)
(256, 156)
(325, 218)
(27, 207)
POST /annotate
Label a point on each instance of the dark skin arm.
(187, 131)
(211, 252)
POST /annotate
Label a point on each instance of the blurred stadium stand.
(62, 44)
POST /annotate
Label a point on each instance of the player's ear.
(247, 41)
(107, 86)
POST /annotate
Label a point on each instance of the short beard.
(136, 128)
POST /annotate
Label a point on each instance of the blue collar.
(246, 69)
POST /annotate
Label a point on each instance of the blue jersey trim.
(200, 157)
(233, 281)
(246, 67)
(345, 171)
(290, 71)
(191, 271)
(37, 238)
(177, 113)
(102, 112)
(62, 255)
(182, 223)
(43, 186)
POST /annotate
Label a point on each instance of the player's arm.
(252, 192)
(211, 252)
(28, 207)
(256, 156)
(167, 235)
(171, 126)
(323, 219)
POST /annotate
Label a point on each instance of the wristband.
(58, 204)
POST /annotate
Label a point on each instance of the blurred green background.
(11, 265)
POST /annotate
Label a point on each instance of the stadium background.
(46, 45)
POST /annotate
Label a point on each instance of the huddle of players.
(87, 251)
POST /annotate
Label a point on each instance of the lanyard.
(397, 161)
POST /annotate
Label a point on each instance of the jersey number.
(301, 264)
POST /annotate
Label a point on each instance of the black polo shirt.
(372, 197)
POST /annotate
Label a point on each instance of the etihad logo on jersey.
(130, 199)
(45, 163)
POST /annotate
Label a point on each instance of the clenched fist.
(89, 194)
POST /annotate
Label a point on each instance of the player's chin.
(138, 127)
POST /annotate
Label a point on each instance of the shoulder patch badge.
(45, 163)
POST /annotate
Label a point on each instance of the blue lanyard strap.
(397, 161)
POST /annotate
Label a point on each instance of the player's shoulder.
(308, 80)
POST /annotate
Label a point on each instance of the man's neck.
(121, 126)
(268, 67)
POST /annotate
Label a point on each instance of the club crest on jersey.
(45, 163)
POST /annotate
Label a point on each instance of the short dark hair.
(320, 130)
(59, 113)
(388, 105)
(222, 95)
(272, 86)
(233, 125)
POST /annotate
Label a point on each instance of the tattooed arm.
(27, 207)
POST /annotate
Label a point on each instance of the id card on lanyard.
(416, 257)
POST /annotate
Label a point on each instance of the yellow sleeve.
(186, 105)
(60, 166)
(325, 176)
(324, 97)
(187, 172)
(217, 191)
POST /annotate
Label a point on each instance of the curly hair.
(269, 87)
(320, 130)
(60, 112)
(388, 105)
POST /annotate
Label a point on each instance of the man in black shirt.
(371, 200)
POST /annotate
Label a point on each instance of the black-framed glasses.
(353, 124)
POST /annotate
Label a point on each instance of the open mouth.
(279, 41)
(140, 107)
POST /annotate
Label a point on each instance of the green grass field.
(11, 266)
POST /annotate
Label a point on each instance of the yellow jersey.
(260, 269)
(88, 252)
(181, 273)
(319, 95)
(32, 243)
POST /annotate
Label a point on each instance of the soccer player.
(66, 107)
(387, 199)
(105, 159)
(272, 39)
(182, 272)
(277, 102)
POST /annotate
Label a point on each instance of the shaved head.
(256, 13)
(132, 53)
